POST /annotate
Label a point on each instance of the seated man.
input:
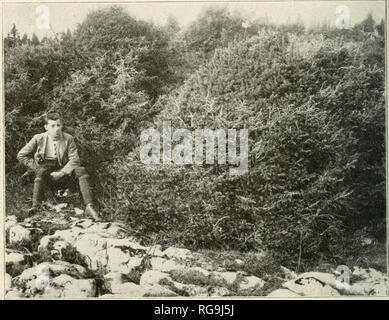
(53, 155)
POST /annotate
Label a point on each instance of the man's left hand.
(57, 175)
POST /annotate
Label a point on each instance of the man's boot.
(37, 196)
(87, 197)
(90, 211)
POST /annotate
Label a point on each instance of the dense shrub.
(102, 78)
(313, 104)
(31, 74)
(301, 184)
(113, 33)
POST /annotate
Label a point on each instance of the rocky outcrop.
(362, 282)
(76, 257)
(73, 257)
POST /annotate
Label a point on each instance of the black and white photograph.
(194, 150)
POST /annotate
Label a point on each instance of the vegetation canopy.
(312, 101)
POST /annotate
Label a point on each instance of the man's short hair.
(52, 116)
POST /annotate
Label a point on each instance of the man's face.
(54, 128)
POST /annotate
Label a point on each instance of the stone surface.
(132, 290)
(84, 223)
(239, 262)
(283, 293)
(113, 280)
(80, 288)
(370, 282)
(116, 230)
(156, 251)
(251, 283)
(219, 292)
(7, 282)
(121, 243)
(46, 242)
(10, 221)
(18, 233)
(93, 249)
(15, 263)
(62, 280)
(164, 265)
(70, 235)
(117, 259)
(157, 291)
(327, 278)
(14, 294)
(110, 252)
(178, 253)
(152, 277)
(26, 280)
(289, 274)
(369, 288)
(129, 290)
(369, 273)
(228, 278)
(191, 290)
(78, 211)
(65, 286)
(310, 286)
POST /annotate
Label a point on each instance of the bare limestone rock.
(10, 221)
(113, 280)
(27, 279)
(250, 283)
(156, 251)
(46, 242)
(69, 287)
(55, 246)
(289, 274)
(80, 288)
(369, 273)
(157, 291)
(368, 288)
(163, 265)
(14, 294)
(18, 233)
(129, 290)
(132, 290)
(93, 248)
(191, 290)
(15, 263)
(83, 223)
(104, 229)
(178, 253)
(224, 278)
(283, 293)
(219, 292)
(117, 259)
(116, 230)
(7, 282)
(70, 235)
(372, 283)
(327, 278)
(310, 286)
(152, 277)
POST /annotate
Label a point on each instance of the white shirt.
(51, 149)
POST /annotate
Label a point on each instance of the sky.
(63, 16)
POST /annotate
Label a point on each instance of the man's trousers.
(43, 180)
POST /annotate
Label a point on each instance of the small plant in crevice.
(136, 272)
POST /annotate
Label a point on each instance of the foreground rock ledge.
(79, 258)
